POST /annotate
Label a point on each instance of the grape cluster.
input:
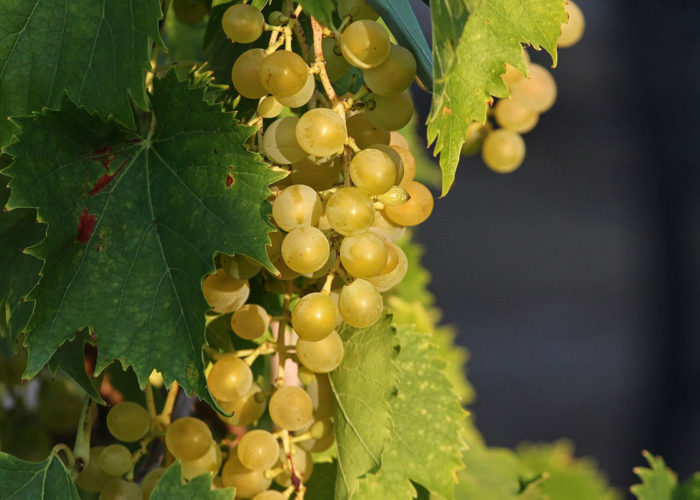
(503, 149)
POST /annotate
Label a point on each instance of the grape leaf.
(321, 10)
(70, 359)
(362, 386)
(658, 481)
(688, 490)
(47, 480)
(426, 444)
(470, 51)
(134, 221)
(322, 482)
(96, 51)
(170, 487)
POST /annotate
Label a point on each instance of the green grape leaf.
(321, 10)
(96, 51)
(658, 481)
(470, 50)
(688, 490)
(362, 386)
(134, 222)
(322, 482)
(70, 359)
(47, 480)
(170, 487)
(426, 444)
(399, 17)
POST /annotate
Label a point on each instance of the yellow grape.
(269, 106)
(248, 483)
(314, 316)
(363, 255)
(572, 30)
(365, 44)
(325, 269)
(303, 466)
(322, 356)
(360, 304)
(319, 175)
(188, 438)
(416, 210)
(149, 481)
(245, 74)
(284, 272)
(537, 92)
(223, 293)
(119, 489)
(290, 408)
(409, 164)
(305, 249)
(396, 139)
(250, 321)
(230, 378)
(503, 151)
(246, 409)
(296, 206)
(394, 75)
(322, 434)
(390, 112)
(395, 157)
(115, 460)
(395, 270)
(280, 141)
(283, 73)
(128, 421)
(274, 249)
(243, 23)
(356, 9)
(92, 478)
(364, 132)
(270, 495)
(474, 137)
(301, 97)
(209, 462)
(258, 450)
(511, 114)
(350, 211)
(321, 132)
(385, 228)
(394, 197)
(239, 266)
(373, 171)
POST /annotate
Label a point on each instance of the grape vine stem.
(336, 102)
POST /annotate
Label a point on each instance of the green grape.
(322, 434)
(270, 495)
(258, 450)
(416, 210)
(250, 322)
(243, 23)
(128, 421)
(283, 73)
(360, 304)
(223, 293)
(364, 132)
(395, 270)
(397, 139)
(321, 397)
(321, 132)
(274, 249)
(363, 255)
(314, 316)
(394, 75)
(246, 409)
(269, 107)
(390, 113)
(538, 92)
(305, 375)
(394, 197)
(319, 175)
(474, 137)
(115, 460)
(290, 408)
(280, 141)
(302, 462)
(296, 206)
(305, 249)
(365, 44)
(92, 478)
(395, 158)
(149, 481)
(336, 65)
(303, 96)
(511, 114)
(188, 438)
(245, 74)
(276, 18)
(326, 268)
(356, 9)
(350, 211)
(373, 171)
(248, 483)
(59, 405)
(503, 151)
(284, 272)
(229, 378)
(239, 267)
(189, 11)
(385, 228)
(572, 30)
(209, 462)
(409, 164)
(119, 489)
(322, 356)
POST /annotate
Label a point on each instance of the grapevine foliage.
(170, 487)
(47, 480)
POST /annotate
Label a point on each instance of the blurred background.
(575, 281)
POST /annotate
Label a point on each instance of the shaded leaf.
(47, 480)
(70, 359)
(322, 10)
(658, 481)
(321, 484)
(170, 487)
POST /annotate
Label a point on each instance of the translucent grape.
(283, 73)
(149, 481)
(322, 356)
(390, 113)
(243, 23)
(321, 397)
(325, 269)
(409, 164)
(92, 478)
(284, 272)
(301, 97)
(356, 9)
(364, 132)
(239, 266)
(396, 139)
(511, 114)
(350, 211)
(269, 106)
(503, 151)
(416, 210)
(303, 466)
(246, 409)
(115, 460)
(258, 450)
(305, 249)
(250, 321)
(385, 228)
(209, 462)
(395, 270)
(119, 489)
(474, 138)
(336, 65)
(128, 421)
(321, 132)
(360, 304)
(296, 206)
(572, 30)
(373, 171)
(230, 378)
(245, 74)
(395, 158)
(537, 92)
(248, 483)
(317, 175)
(223, 293)
(363, 255)
(314, 316)
(280, 141)
(323, 436)
(188, 438)
(274, 249)
(365, 44)
(290, 408)
(394, 75)
(270, 495)
(190, 11)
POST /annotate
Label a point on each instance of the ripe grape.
(503, 151)
(245, 74)
(373, 171)
(250, 321)
(321, 397)
(291, 408)
(92, 478)
(364, 132)
(270, 495)
(119, 489)
(395, 270)
(572, 30)
(283, 73)
(223, 293)
(409, 164)
(258, 450)
(474, 137)
(296, 206)
(321, 132)
(248, 483)
(230, 378)
(390, 113)
(274, 249)
(537, 92)
(314, 316)
(243, 23)
(269, 106)
(365, 44)
(190, 11)
(336, 65)
(148, 483)
(356, 9)
(128, 421)
(513, 115)
(363, 255)
(394, 75)
(350, 211)
(395, 158)
(416, 210)
(305, 249)
(385, 228)
(322, 356)
(360, 304)
(115, 460)
(239, 266)
(302, 462)
(319, 175)
(284, 272)
(301, 97)
(188, 438)
(246, 409)
(396, 139)
(280, 141)
(209, 462)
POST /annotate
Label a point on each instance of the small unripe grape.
(363, 255)
(248, 483)
(92, 478)
(323, 436)
(503, 151)
(409, 164)
(245, 74)
(303, 466)
(303, 96)
(305, 249)
(115, 460)
(373, 171)
(350, 211)
(360, 304)
(322, 356)
(394, 271)
(250, 321)
(356, 9)
(209, 462)
(246, 409)
(188, 438)
(317, 175)
(394, 75)
(119, 489)
(291, 408)
(474, 137)
(390, 113)
(269, 107)
(296, 206)
(321, 132)
(416, 210)
(537, 92)
(258, 450)
(128, 421)
(223, 293)
(243, 23)
(572, 30)
(270, 495)
(513, 115)
(239, 267)
(280, 141)
(149, 481)
(230, 378)
(336, 65)
(283, 73)
(364, 132)
(365, 44)
(314, 316)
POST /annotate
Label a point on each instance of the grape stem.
(364, 91)
(336, 103)
(264, 348)
(167, 411)
(69, 455)
(281, 337)
(150, 401)
(81, 449)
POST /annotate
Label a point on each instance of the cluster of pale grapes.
(503, 149)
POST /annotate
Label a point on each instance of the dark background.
(575, 281)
